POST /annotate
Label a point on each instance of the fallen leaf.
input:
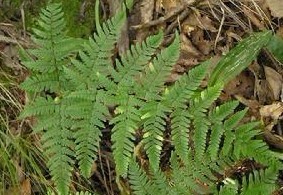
(273, 111)
(275, 81)
(275, 7)
(26, 187)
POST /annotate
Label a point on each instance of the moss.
(79, 14)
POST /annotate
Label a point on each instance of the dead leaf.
(273, 111)
(276, 7)
(170, 5)
(275, 81)
(26, 187)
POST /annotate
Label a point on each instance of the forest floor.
(208, 29)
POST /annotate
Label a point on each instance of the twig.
(160, 20)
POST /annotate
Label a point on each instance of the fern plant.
(75, 82)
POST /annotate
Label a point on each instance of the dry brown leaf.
(276, 7)
(26, 187)
(273, 111)
(275, 81)
(170, 5)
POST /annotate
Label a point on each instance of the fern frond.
(186, 179)
(197, 112)
(229, 126)
(221, 112)
(154, 115)
(57, 138)
(135, 60)
(126, 124)
(246, 144)
(261, 182)
(140, 183)
(160, 184)
(89, 114)
(158, 71)
(95, 58)
(54, 47)
(180, 124)
(182, 90)
(216, 117)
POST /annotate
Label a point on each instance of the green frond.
(221, 112)
(217, 131)
(158, 71)
(216, 118)
(44, 82)
(204, 100)
(180, 123)
(96, 55)
(57, 144)
(187, 179)
(246, 144)
(135, 60)
(197, 112)
(229, 126)
(89, 114)
(261, 182)
(41, 106)
(140, 183)
(154, 115)
(160, 184)
(123, 133)
(182, 90)
(201, 125)
(54, 48)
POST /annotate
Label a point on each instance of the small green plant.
(73, 94)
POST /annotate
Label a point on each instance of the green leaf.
(239, 57)
(275, 46)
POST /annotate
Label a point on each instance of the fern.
(126, 123)
(85, 79)
(54, 47)
(56, 138)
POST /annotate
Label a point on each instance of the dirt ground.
(208, 29)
